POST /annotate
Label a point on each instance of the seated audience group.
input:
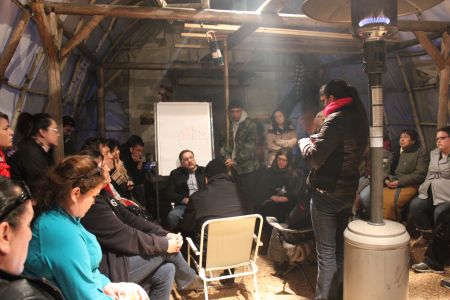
(88, 245)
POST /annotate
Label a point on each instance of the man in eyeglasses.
(183, 182)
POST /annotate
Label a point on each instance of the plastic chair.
(227, 243)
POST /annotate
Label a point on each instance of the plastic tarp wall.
(23, 57)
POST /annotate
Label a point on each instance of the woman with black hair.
(409, 166)
(6, 138)
(281, 136)
(34, 153)
(280, 187)
(16, 213)
(334, 157)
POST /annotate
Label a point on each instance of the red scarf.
(4, 167)
(335, 105)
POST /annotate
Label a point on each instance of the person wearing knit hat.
(240, 150)
(219, 199)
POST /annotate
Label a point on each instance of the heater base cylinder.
(376, 261)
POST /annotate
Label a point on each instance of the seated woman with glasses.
(16, 213)
(34, 153)
(61, 249)
(279, 188)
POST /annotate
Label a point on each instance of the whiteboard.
(179, 126)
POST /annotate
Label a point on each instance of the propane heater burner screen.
(374, 20)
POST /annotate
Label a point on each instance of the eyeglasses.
(56, 130)
(24, 196)
(441, 138)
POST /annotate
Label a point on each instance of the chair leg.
(255, 285)
(205, 289)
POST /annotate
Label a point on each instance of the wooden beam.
(444, 103)
(273, 6)
(24, 89)
(225, 16)
(194, 66)
(84, 32)
(101, 103)
(81, 35)
(412, 102)
(118, 40)
(430, 49)
(13, 42)
(105, 34)
(267, 31)
(226, 92)
(54, 105)
(82, 47)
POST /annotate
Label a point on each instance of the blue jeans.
(158, 272)
(175, 215)
(330, 217)
(425, 213)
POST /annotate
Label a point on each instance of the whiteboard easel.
(179, 126)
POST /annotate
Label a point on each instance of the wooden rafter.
(84, 32)
(13, 42)
(273, 6)
(444, 103)
(431, 49)
(225, 16)
(25, 87)
(81, 35)
(54, 104)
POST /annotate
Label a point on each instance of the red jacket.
(4, 167)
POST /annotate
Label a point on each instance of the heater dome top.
(338, 11)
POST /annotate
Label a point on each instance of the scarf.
(335, 105)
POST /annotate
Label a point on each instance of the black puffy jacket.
(337, 153)
(17, 287)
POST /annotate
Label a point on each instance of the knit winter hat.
(214, 167)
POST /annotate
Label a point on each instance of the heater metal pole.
(376, 149)
(375, 66)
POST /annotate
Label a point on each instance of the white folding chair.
(227, 243)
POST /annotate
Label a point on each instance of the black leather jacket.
(18, 287)
(337, 153)
(177, 188)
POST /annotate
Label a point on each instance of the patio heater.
(376, 264)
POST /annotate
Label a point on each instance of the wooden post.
(429, 47)
(412, 103)
(24, 89)
(444, 105)
(54, 105)
(226, 90)
(101, 130)
(13, 42)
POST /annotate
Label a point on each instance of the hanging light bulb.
(214, 48)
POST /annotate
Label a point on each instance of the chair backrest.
(229, 241)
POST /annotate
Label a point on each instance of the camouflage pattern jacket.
(246, 147)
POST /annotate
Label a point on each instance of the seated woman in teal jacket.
(61, 249)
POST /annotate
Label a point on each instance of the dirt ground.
(300, 286)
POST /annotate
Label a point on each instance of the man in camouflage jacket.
(240, 154)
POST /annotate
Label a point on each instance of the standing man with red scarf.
(334, 156)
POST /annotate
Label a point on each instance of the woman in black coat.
(280, 187)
